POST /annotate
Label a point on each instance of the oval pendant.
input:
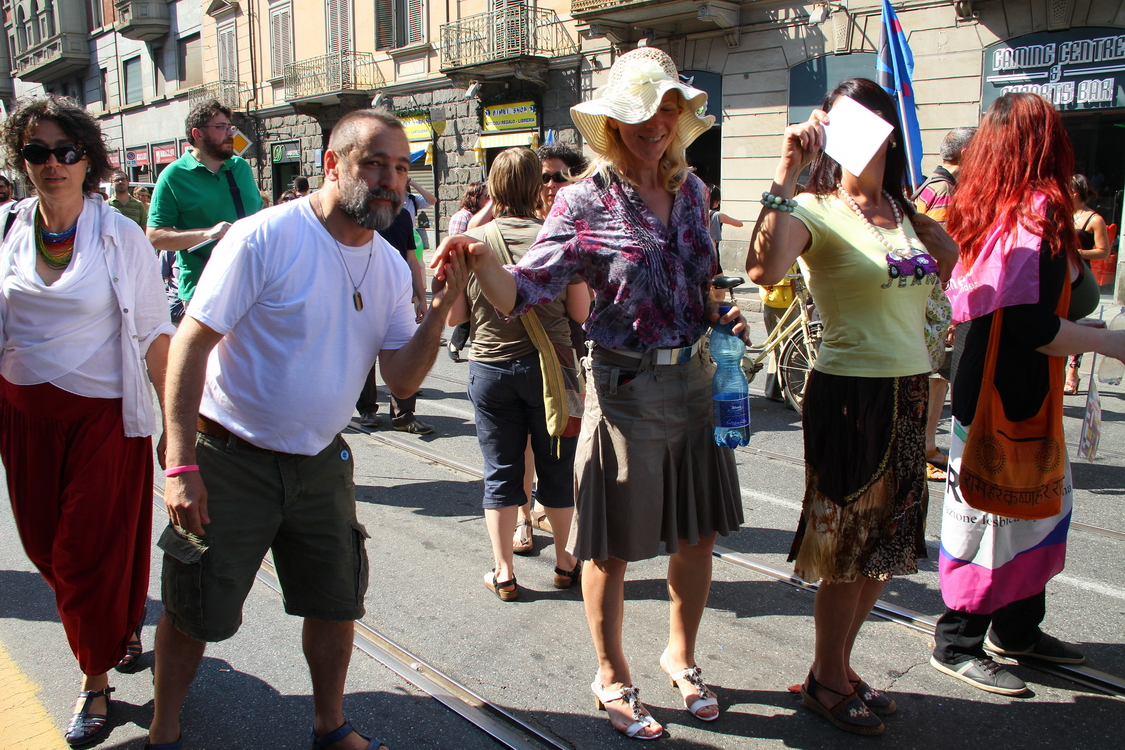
(357, 300)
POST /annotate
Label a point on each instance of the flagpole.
(906, 137)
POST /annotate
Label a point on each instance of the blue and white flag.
(894, 71)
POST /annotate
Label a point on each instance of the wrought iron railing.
(340, 73)
(230, 93)
(586, 6)
(512, 31)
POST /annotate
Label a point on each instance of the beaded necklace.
(55, 248)
(873, 229)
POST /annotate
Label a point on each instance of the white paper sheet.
(853, 134)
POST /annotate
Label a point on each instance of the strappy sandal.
(522, 542)
(876, 700)
(507, 591)
(564, 579)
(133, 651)
(850, 714)
(705, 696)
(84, 726)
(540, 521)
(1071, 387)
(937, 465)
(322, 742)
(629, 694)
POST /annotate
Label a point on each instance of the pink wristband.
(175, 470)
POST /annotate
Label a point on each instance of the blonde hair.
(673, 170)
(514, 182)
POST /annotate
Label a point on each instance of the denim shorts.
(508, 400)
(300, 507)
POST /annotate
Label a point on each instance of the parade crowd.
(586, 292)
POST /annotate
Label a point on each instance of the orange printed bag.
(1015, 469)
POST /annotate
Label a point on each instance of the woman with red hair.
(1011, 216)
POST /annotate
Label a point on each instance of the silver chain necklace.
(357, 298)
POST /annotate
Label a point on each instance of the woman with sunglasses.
(82, 316)
(870, 264)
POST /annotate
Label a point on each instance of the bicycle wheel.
(793, 368)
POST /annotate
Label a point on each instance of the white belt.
(676, 356)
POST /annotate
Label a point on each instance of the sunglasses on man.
(557, 177)
(34, 153)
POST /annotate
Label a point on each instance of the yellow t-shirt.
(874, 326)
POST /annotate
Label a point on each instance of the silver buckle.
(675, 356)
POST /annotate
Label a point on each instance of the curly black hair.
(72, 118)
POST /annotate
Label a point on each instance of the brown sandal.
(850, 714)
(506, 591)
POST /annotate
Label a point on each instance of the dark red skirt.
(81, 494)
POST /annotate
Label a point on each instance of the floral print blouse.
(650, 282)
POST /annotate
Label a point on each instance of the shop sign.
(136, 157)
(417, 128)
(115, 158)
(289, 151)
(185, 146)
(504, 118)
(1076, 70)
(164, 153)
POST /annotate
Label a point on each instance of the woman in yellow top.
(868, 264)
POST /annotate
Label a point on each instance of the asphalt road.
(429, 549)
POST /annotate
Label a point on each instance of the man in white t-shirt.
(293, 307)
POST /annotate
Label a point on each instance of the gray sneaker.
(414, 427)
(1047, 648)
(369, 419)
(984, 674)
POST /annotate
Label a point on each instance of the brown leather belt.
(213, 429)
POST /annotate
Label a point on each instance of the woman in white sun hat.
(647, 469)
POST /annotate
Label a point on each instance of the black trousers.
(959, 636)
(460, 336)
(402, 409)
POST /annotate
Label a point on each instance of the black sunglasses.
(33, 153)
(556, 177)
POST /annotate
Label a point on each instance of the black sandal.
(84, 726)
(325, 741)
(564, 579)
(134, 649)
(850, 714)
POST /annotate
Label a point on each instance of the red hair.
(1020, 149)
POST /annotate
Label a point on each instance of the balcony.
(624, 20)
(229, 93)
(143, 20)
(59, 56)
(515, 40)
(325, 79)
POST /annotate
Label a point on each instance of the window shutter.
(384, 24)
(228, 54)
(415, 20)
(339, 26)
(511, 27)
(281, 38)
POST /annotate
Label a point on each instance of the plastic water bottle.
(1110, 370)
(729, 388)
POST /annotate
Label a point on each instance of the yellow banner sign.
(503, 118)
(417, 128)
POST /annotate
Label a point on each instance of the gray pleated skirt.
(647, 469)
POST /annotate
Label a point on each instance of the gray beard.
(355, 201)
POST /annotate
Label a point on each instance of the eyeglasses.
(34, 153)
(228, 128)
(557, 177)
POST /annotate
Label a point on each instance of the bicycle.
(797, 337)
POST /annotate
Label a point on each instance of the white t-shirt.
(295, 352)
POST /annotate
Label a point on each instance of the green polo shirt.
(188, 195)
(132, 208)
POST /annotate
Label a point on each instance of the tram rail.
(1079, 674)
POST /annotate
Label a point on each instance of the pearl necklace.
(873, 229)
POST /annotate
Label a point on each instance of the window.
(340, 26)
(228, 53)
(190, 61)
(103, 87)
(134, 86)
(399, 23)
(281, 38)
(95, 9)
(158, 75)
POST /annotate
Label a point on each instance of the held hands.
(803, 141)
(185, 497)
(475, 254)
(938, 244)
(450, 277)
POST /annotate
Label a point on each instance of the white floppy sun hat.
(637, 83)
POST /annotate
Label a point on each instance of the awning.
(506, 140)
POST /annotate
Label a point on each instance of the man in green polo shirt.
(126, 203)
(194, 202)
